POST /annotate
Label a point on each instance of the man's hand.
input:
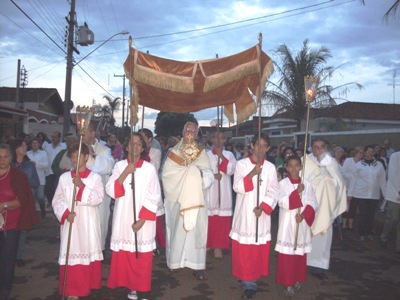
(218, 176)
(256, 170)
(131, 168)
(138, 225)
(71, 217)
(77, 180)
(299, 218)
(257, 211)
(300, 188)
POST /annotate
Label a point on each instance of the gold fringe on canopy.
(175, 86)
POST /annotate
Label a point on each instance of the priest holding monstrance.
(186, 175)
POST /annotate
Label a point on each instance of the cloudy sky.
(360, 40)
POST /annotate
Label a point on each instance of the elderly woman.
(17, 210)
(22, 162)
(368, 181)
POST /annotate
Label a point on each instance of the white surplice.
(223, 208)
(85, 244)
(147, 195)
(244, 220)
(287, 219)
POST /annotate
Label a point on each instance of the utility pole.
(394, 86)
(18, 84)
(123, 100)
(24, 83)
(68, 80)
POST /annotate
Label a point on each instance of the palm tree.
(288, 94)
(391, 11)
(114, 105)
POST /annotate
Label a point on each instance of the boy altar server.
(250, 255)
(85, 255)
(292, 264)
(128, 268)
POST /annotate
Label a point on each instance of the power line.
(243, 26)
(38, 27)
(234, 23)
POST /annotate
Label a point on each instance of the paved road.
(359, 270)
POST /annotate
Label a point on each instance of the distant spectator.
(279, 154)
(299, 152)
(347, 172)
(369, 180)
(39, 157)
(115, 146)
(339, 155)
(43, 139)
(387, 145)
(281, 170)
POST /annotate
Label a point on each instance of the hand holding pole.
(311, 86)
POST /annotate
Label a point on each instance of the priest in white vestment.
(186, 176)
(329, 186)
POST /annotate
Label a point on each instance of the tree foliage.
(171, 124)
(288, 95)
(391, 12)
(113, 105)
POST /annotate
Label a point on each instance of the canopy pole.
(258, 98)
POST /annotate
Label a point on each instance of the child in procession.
(297, 207)
(131, 263)
(251, 226)
(85, 255)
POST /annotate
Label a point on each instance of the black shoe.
(320, 276)
(20, 263)
(249, 294)
(383, 244)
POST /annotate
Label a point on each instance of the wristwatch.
(5, 205)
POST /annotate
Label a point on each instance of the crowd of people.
(209, 194)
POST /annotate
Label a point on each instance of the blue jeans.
(249, 285)
(38, 193)
(8, 254)
(21, 244)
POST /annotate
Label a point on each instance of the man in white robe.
(326, 179)
(186, 175)
(223, 164)
(101, 162)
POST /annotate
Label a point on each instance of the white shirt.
(368, 180)
(393, 183)
(39, 157)
(244, 220)
(52, 152)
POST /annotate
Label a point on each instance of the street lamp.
(68, 79)
(119, 33)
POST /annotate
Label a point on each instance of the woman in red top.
(17, 210)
